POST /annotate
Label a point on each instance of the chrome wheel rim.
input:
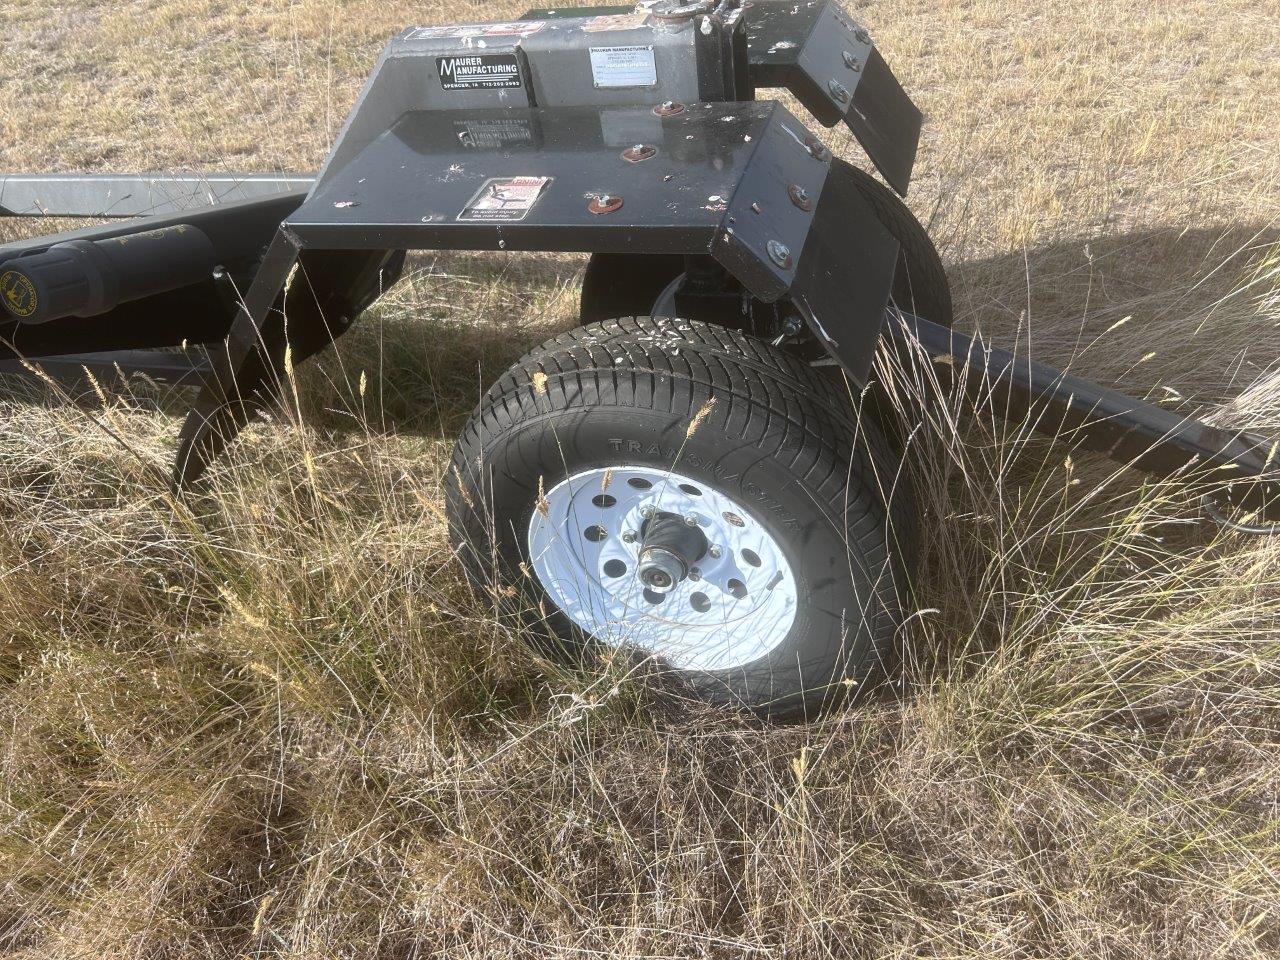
(736, 603)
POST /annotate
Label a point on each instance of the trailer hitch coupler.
(86, 278)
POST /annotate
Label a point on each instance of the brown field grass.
(271, 721)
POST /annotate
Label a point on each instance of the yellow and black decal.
(18, 294)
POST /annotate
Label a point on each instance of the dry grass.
(270, 720)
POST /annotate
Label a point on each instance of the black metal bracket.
(830, 64)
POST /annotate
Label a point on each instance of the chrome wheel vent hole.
(615, 569)
(751, 557)
(737, 588)
(639, 483)
(690, 489)
(603, 501)
(700, 602)
(654, 597)
(596, 533)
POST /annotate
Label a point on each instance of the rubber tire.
(780, 438)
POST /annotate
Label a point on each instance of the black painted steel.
(186, 368)
(829, 63)
(1092, 417)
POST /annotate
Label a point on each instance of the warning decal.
(504, 199)
(479, 72)
(614, 67)
(624, 21)
(521, 28)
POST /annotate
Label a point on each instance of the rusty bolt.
(852, 62)
(816, 148)
(668, 108)
(604, 203)
(780, 254)
(800, 197)
(638, 152)
(838, 91)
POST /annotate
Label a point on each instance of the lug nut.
(779, 253)
(646, 512)
(714, 552)
(628, 536)
(691, 520)
(839, 92)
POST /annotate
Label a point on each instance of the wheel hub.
(646, 558)
(672, 545)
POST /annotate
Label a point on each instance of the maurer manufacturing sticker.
(613, 67)
(481, 72)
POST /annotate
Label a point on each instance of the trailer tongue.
(633, 135)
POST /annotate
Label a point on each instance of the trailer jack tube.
(85, 278)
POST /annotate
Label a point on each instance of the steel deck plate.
(409, 188)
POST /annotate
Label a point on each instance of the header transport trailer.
(686, 475)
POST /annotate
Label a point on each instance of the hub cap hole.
(615, 569)
(751, 557)
(596, 533)
(734, 519)
(604, 501)
(654, 597)
(690, 489)
(639, 483)
(700, 602)
(737, 588)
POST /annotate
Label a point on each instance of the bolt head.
(691, 520)
(852, 62)
(839, 92)
(862, 35)
(604, 203)
(779, 253)
(800, 197)
(628, 536)
(646, 512)
(695, 574)
(714, 552)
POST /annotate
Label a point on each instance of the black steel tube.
(85, 278)
(1092, 417)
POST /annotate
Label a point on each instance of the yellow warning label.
(18, 294)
